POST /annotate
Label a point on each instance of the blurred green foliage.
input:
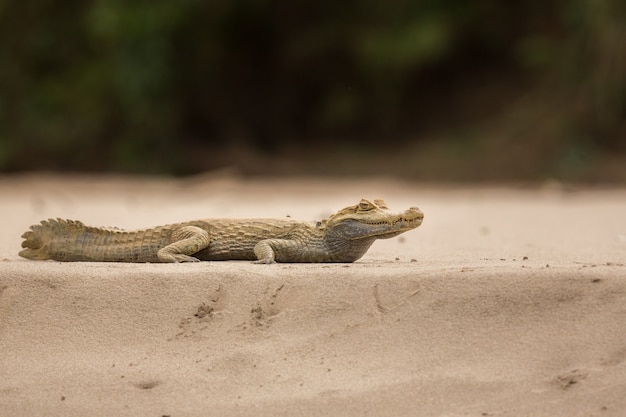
(433, 89)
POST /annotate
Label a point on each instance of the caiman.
(344, 237)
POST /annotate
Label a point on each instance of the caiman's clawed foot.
(266, 261)
(177, 258)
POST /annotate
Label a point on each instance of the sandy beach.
(507, 301)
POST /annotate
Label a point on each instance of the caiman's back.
(236, 238)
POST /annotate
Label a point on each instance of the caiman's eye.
(365, 206)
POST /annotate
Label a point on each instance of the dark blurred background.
(432, 90)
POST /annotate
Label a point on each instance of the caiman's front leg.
(185, 242)
(264, 250)
(269, 251)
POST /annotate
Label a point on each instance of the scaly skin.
(343, 237)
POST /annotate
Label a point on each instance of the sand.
(508, 301)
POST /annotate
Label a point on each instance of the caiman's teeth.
(394, 222)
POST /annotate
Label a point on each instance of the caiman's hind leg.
(185, 242)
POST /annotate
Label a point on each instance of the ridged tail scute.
(37, 239)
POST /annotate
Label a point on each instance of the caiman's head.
(372, 220)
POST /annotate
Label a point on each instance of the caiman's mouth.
(414, 222)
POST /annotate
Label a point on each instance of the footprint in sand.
(390, 296)
(204, 313)
(268, 308)
(570, 379)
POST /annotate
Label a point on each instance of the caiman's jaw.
(372, 220)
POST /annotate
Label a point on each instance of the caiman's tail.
(71, 240)
(37, 239)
